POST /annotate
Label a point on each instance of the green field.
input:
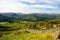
(47, 30)
(27, 36)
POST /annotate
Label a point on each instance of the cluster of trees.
(47, 24)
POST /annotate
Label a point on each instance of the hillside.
(29, 26)
(28, 17)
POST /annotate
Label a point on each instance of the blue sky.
(30, 6)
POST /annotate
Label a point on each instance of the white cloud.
(48, 1)
(43, 6)
(32, 1)
(18, 6)
(56, 11)
(8, 6)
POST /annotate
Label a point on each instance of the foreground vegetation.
(28, 36)
(47, 24)
(10, 30)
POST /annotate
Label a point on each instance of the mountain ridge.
(29, 17)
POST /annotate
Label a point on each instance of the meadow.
(29, 30)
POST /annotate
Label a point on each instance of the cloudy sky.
(30, 6)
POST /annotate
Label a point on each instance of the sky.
(30, 6)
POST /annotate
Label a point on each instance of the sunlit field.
(24, 30)
(30, 27)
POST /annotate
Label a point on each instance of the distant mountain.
(3, 18)
(11, 15)
(29, 17)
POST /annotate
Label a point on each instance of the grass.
(23, 35)
(27, 36)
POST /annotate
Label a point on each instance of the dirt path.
(56, 30)
(42, 31)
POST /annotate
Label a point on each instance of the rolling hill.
(28, 17)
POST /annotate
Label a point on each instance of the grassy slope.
(24, 35)
(28, 36)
